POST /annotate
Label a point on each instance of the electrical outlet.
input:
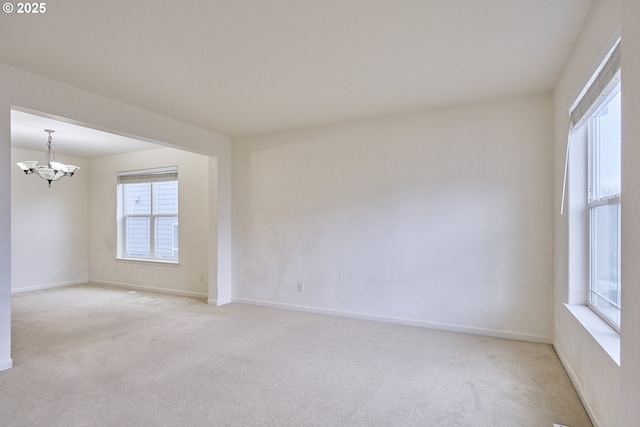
(202, 277)
(300, 286)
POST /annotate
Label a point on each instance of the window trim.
(613, 88)
(600, 88)
(145, 175)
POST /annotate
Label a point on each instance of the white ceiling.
(28, 132)
(242, 67)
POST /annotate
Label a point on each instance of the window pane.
(165, 196)
(137, 199)
(166, 235)
(137, 243)
(605, 260)
(607, 152)
(148, 210)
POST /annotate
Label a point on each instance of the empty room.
(337, 212)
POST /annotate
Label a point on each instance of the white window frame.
(146, 175)
(599, 90)
(593, 203)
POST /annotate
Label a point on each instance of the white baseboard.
(6, 364)
(578, 386)
(47, 286)
(401, 321)
(151, 289)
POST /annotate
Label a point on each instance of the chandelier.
(52, 171)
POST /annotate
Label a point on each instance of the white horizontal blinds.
(149, 175)
(601, 86)
(595, 93)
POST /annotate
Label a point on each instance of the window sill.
(607, 337)
(148, 261)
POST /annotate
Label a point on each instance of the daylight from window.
(604, 208)
(150, 217)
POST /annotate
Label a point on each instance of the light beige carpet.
(97, 356)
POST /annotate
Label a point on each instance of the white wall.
(5, 231)
(49, 228)
(193, 199)
(595, 374)
(440, 219)
(630, 345)
(27, 90)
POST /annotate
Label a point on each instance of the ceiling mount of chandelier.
(52, 171)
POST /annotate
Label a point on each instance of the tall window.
(604, 208)
(148, 214)
(599, 111)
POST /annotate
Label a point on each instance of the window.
(596, 120)
(604, 208)
(148, 214)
